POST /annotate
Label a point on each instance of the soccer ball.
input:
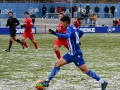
(39, 86)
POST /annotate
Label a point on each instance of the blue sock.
(53, 73)
(93, 75)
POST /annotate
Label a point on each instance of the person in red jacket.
(28, 32)
(59, 9)
(76, 23)
(119, 22)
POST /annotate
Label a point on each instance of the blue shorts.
(76, 59)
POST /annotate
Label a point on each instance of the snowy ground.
(19, 70)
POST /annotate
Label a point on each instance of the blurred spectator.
(64, 9)
(72, 11)
(87, 9)
(119, 22)
(81, 20)
(75, 10)
(59, 9)
(80, 10)
(52, 11)
(44, 9)
(33, 16)
(106, 9)
(97, 9)
(112, 10)
(86, 19)
(115, 22)
(95, 19)
(91, 19)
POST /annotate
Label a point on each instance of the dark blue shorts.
(76, 59)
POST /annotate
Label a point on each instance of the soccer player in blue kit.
(74, 55)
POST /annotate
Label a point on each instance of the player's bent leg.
(35, 44)
(60, 62)
(17, 40)
(24, 43)
(93, 75)
(10, 44)
(14, 38)
(56, 47)
(84, 68)
(57, 52)
(65, 43)
(55, 70)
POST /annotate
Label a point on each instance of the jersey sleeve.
(67, 35)
(7, 24)
(16, 22)
(80, 33)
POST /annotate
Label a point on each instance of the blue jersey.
(73, 35)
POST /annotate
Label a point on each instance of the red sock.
(35, 44)
(58, 54)
(25, 44)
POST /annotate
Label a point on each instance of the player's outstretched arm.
(23, 25)
(52, 31)
(67, 35)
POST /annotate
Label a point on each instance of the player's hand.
(23, 25)
(52, 32)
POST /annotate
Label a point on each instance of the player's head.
(61, 15)
(26, 14)
(10, 14)
(65, 21)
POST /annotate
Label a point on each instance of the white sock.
(101, 81)
(47, 80)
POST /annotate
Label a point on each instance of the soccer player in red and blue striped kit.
(74, 55)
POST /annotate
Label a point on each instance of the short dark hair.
(61, 13)
(10, 12)
(26, 13)
(66, 18)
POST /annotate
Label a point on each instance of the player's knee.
(14, 39)
(57, 64)
(23, 40)
(33, 41)
(85, 71)
(56, 48)
(11, 39)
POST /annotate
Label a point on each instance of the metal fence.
(46, 1)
